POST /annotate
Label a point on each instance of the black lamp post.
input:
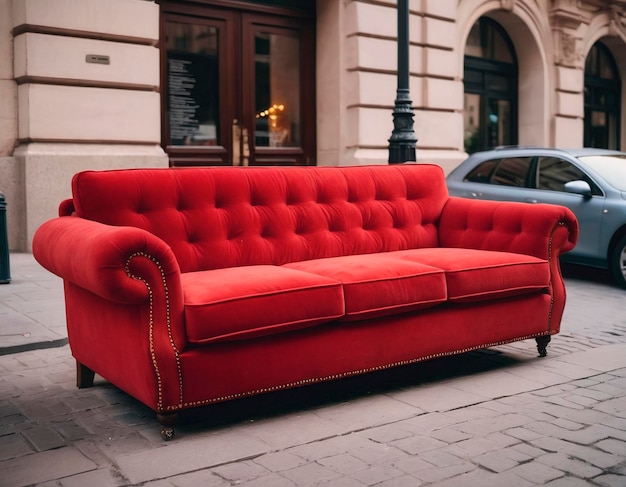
(402, 140)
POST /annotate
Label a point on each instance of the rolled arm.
(103, 258)
(541, 230)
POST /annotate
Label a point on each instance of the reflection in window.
(192, 84)
(512, 171)
(602, 99)
(555, 172)
(482, 173)
(277, 94)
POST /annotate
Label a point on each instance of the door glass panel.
(471, 122)
(555, 172)
(277, 91)
(512, 172)
(498, 122)
(192, 84)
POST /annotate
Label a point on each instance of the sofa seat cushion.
(479, 275)
(251, 301)
(377, 285)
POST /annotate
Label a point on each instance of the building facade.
(95, 84)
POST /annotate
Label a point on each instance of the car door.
(551, 176)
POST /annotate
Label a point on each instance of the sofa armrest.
(104, 259)
(541, 230)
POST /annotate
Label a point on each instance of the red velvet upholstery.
(228, 217)
(478, 275)
(185, 287)
(378, 285)
(250, 301)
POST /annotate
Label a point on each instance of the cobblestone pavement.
(496, 417)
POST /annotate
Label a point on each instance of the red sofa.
(186, 287)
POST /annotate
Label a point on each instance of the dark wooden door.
(237, 87)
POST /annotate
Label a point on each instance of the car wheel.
(618, 262)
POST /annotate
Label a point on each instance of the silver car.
(591, 182)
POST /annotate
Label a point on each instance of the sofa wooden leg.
(168, 421)
(542, 344)
(84, 376)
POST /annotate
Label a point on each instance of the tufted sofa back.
(218, 217)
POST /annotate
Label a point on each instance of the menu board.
(192, 98)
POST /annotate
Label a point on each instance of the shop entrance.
(238, 86)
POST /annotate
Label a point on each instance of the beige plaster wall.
(8, 88)
(357, 81)
(47, 171)
(71, 114)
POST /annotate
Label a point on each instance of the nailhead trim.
(344, 375)
(151, 334)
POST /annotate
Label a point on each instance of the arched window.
(490, 77)
(602, 99)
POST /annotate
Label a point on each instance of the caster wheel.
(167, 433)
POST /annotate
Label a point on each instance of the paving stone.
(581, 400)
(241, 471)
(411, 465)
(100, 478)
(418, 444)
(501, 460)
(438, 397)
(537, 473)
(310, 474)
(616, 407)
(570, 465)
(175, 458)
(616, 447)
(450, 435)
(439, 474)
(273, 480)
(344, 463)
(587, 454)
(615, 423)
(587, 416)
(484, 478)
(441, 458)
(479, 446)
(291, 430)
(567, 482)
(368, 411)
(44, 466)
(428, 422)
(376, 453)
(610, 480)
(487, 425)
(567, 424)
(376, 474)
(14, 445)
(331, 446)
(204, 478)
(279, 461)
(158, 483)
(44, 438)
(528, 450)
(523, 434)
(387, 433)
(404, 481)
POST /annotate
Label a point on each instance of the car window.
(512, 171)
(554, 172)
(482, 172)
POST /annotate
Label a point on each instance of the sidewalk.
(32, 313)
(497, 417)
